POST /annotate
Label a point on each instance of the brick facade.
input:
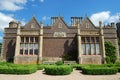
(56, 40)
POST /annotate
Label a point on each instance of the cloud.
(45, 18)
(4, 21)
(12, 5)
(104, 16)
(41, 0)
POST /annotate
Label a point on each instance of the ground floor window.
(90, 46)
(29, 46)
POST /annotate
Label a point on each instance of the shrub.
(107, 59)
(113, 58)
(59, 63)
(40, 66)
(117, 64)
(9, 68)
(78, 66)
(19, 70)
(110, 50)
(99, 71)
(118, 69)
(58, 70)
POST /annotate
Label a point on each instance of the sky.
(22, 10)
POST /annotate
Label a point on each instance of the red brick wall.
(56, 47)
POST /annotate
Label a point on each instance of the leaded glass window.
(90, 45)
(36, 49)
(29, 45)
(83, 49)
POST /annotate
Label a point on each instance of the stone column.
(2, 56)
(117, 49)
(79, 44)
(40, 44)
(17, 47)
(102, 45)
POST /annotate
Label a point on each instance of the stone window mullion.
(24, 46)
(28, 45)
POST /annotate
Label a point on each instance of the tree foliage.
(110, 51)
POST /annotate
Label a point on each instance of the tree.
(110, 51)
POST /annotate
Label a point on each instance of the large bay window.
(90, 45)
(29, 46)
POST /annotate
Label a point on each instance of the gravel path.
(75, 75)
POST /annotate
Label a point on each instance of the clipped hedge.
(58, 70)
(78, 66)
(40, 66)
(17, 70)
(99, 71)
(9, 68)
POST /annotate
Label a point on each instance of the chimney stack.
(76, 20)
(112, 24)
(53, 19)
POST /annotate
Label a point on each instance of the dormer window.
(60, 25)
(32, 25)
(87, 25)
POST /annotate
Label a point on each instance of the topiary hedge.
(58, 70)
(99, 70)
(40, 66)
(9, 68)
(78, 66)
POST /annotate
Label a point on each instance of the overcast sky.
(23, 10)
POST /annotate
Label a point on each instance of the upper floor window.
(32, 26)
(87, 25)
(60, 25)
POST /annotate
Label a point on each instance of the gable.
(32, 24)
(87, 24)
(59, 25)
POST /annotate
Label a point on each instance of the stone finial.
(41, 24)
(78, 25)
(100, 24)
(101, 29)
(19, 24)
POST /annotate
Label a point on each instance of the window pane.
(83, 39)
(31, 49)
(97, 39)
(87, 49)
(22, 39)
(36, 39)
(83, 48)
(92, 39)
(27, 39)
(35, 49)
(87, 39)
(31, 39)
(21, 48)
(97, 49)
(26, 49)
(92, 49)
